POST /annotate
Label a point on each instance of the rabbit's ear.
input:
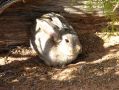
(60, 21)
(53, 19)
(56, 21)
(38, 24)
(47, 27)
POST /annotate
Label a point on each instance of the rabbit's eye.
(67, 40)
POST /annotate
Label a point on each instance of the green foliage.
(109, 10)
(108, 7)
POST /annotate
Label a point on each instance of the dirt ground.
(97, 68)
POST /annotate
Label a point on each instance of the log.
(16, 22)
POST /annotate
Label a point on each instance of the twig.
(116, 6)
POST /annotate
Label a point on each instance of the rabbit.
(55, 40)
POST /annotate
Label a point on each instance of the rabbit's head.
(70, 45)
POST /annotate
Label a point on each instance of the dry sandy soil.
(97, 68)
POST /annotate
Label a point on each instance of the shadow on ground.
(85, 73)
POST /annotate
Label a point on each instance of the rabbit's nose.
(71, 51)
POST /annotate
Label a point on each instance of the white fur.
(60, 52)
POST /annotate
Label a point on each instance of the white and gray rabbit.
(55, 40)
